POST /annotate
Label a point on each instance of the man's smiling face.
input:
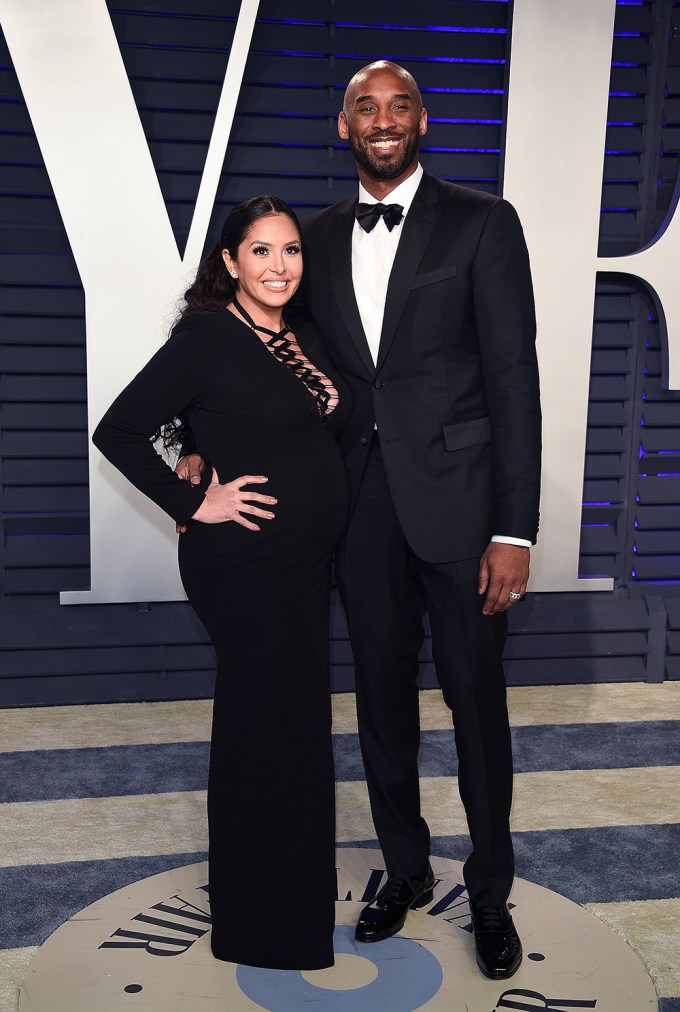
(383, 119)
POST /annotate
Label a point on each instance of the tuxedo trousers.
(386, 591)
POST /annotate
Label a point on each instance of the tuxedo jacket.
(455, 390)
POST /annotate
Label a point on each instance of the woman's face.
(268, 263)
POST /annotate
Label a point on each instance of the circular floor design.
(146, 947)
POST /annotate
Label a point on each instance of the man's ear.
(343, 129)
(422, 126)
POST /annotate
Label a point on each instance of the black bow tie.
(367, 215)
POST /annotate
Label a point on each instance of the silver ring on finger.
(515, 597)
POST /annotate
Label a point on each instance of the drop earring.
(233, 274)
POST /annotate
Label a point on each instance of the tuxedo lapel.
(416, 231)
(341, 280)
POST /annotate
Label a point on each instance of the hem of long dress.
(323, 964)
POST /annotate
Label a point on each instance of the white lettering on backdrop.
(557, 118)
(82, 108)
(75, 86)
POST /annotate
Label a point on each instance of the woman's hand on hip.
(230, 501)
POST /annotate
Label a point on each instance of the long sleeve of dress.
(170, 383)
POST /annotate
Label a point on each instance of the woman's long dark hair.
(213, 288)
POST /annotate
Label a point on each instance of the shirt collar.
(402, 194)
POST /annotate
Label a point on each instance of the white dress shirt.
(373, 256)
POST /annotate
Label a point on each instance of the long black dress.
(264, 599)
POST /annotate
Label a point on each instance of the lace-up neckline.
(283, 349)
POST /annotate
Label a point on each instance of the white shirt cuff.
(511, 541)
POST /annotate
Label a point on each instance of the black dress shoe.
(499, 950)
(387, 913)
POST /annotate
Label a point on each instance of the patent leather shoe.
(498, 948)
(387, 913)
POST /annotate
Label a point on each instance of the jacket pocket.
(458, 435)
(430, 277)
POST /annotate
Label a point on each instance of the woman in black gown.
(255, 563)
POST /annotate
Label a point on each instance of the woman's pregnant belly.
(305, 475)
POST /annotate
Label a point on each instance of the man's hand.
(503, 568)
(189, 468)
(229, 501)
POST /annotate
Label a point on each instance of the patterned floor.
(94, 797)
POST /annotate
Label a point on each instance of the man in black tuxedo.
(426, 307)
(427, 310)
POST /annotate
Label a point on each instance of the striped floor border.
(93, 798)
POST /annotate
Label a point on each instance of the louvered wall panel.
(654, 556)
(290, 101)
(673, 639)
(284, 140)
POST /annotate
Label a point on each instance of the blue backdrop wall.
(284, 141)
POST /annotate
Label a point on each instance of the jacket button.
(364, 441)
(378, 384)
